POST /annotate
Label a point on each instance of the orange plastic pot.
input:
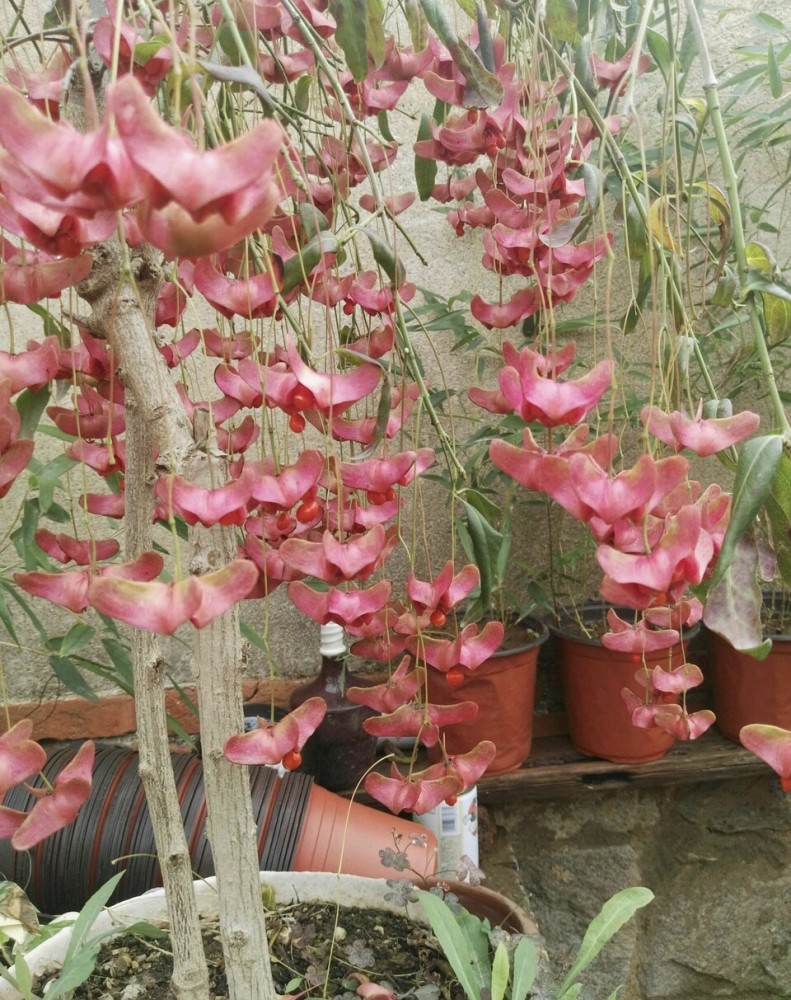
(599, 722)
(504, 689)
(747, 690)
(337, 834)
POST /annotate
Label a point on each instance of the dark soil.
(305, 940)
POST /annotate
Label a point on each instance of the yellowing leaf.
(719, 209)
(657, 224)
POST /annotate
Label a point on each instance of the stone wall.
(717, 855)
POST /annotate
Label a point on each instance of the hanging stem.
(710, 88)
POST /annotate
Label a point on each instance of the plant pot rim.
(588, 611)
(345, 890)
(528, 622)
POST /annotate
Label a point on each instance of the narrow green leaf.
(425, 168)
(374, 30)
(23, 977)
(88, 914)
(484, 555)
(5, 618)
(23, 603)
(613, 916)
(778, 510)
(70, 677)
(302, 92)
(659, 48)
(352, 34)
(525, 968)
(773, 70)
(79, 635)
(30, 405)
(121, 659)
(500, 971)
(451, 940)
(759, 460)
(385, 257)
(417, 24)
(297, 268)
(384, 126)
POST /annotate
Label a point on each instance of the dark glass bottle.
(340, 751)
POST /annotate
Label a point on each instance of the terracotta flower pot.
(504, 689)
(747, 690)
(593, 677)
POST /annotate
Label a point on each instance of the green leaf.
(447, 932)
(121, 660)
(227, 39)
(613, 916)
(5, 618)
(22, 602)
(561, 20)
(384, 126)
(525, 968)
(425, 168)
(659, 48)
(733, 606)
(773, 70)
(302, 93)
(417, 24)
(70, 677)
(30, 405)
(483, 88)
(485, 552)
(79, 635)
(759, 460)
(385, 257)
(778, 510)
(360, 33)
(500, 970)
(297, 268)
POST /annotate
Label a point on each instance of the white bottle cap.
(332, 642)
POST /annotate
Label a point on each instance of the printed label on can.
(456, 830)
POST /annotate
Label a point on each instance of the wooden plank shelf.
(555, 769)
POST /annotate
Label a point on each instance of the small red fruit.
(284, 522)
(348, 308)
(455, 676)
(438, 618)
(302, 398)
(296, 423)
(451, 800)
(472, 116)
(308, 511)
(292, 760)
(376, 497)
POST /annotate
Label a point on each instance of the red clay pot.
(504, 689)
(747, 690)
(599, 722)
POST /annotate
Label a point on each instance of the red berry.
(455, 676)
(438, 618)
(302, 398)
(667, 698)
(292, 760)
(348, 308)
(460, 229)
(376, 497)
(636, 658)
(284, 522)
(451, 800)
(472, 116)
(308, 511)
(296, 423)
(500, 141)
